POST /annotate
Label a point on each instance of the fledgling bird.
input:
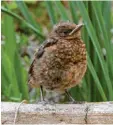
(60, 62)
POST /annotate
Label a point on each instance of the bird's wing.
(31, 67)
(46, 43)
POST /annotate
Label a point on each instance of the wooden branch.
(87, 113)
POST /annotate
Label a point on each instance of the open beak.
(78, 27)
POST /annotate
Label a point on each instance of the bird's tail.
(29, 88)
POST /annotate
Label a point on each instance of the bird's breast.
(70, 51)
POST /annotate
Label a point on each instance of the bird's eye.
(67, 31)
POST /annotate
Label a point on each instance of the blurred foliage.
(25, 25)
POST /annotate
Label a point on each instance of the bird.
(61, 61)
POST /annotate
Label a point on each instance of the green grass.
(97, 85)
(13, 74)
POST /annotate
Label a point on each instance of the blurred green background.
(26, 24)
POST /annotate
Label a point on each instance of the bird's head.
(66, 30)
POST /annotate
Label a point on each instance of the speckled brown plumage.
(60, 63)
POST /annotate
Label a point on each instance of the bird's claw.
(46, 102)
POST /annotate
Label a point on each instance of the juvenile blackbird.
(60, 62)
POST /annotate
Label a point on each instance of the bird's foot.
(77, 102)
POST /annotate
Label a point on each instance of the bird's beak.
(78, 27)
